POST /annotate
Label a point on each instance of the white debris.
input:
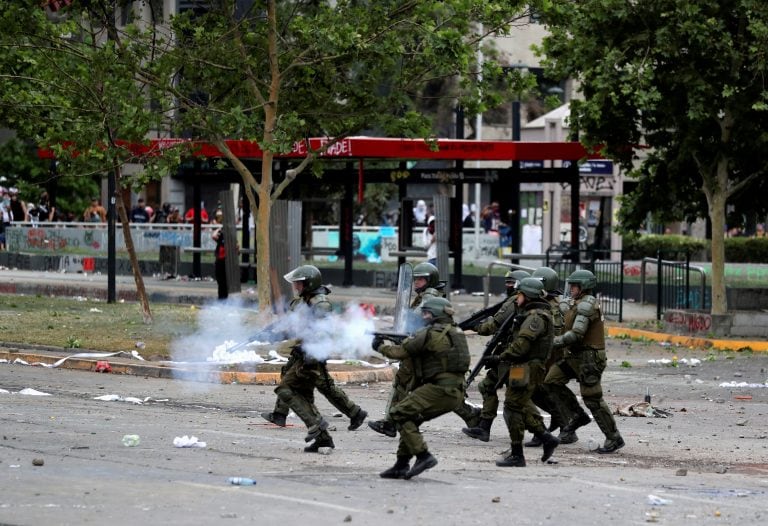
(744, 384)
(94, 309)
(3, 391)
(655, 500)
(33, 392)
(118, 398)
(187, 441)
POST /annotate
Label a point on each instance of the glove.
(377, 342)
(492, 361)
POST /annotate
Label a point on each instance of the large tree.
(267, 71)
(675, 91)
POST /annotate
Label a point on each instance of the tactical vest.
(595, 336)
(446, 352)
(540, 346)
(558, 319)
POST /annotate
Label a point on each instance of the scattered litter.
(118, 398)
(654, 500)
(133, 354)
(3, 391)
(187, 441)
(19, 361)
(241, 481)
(38, 461)
(33, 392)
(3, 360)
(744, 384)
(131, 440)
(140, 345)
(644, 409)
(742, 397)
(691, 362)
(102, 366)
(94, 309)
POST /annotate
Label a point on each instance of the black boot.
(357, 420)
(314, 431)
(514, 459)
(424, 461)
(276, 418)
(611, 445)
(581, 420)
(481, 432)
(315, 446)
(385, 427)
(568, 438)
(399, 470)
(534, 442)
(549, 442)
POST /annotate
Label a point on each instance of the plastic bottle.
(241, 481)
(131, 440)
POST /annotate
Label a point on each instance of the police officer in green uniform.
(426, 284)
(583, 344)
(488, 387)
(540, 397)
(302, 374)
(521, 366)
(440, 359)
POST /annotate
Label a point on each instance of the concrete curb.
(205, 374)
(689, 341)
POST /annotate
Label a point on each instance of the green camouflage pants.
(420, 405)
(587, 368)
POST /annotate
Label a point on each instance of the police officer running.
(302, 373)
(426, 284)
(521, 366)
(583, 343)
(440, 359)
(488, 387)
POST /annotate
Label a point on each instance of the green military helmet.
(548, 276)
(438, 307)
(428, 271)
(585, 279)
(515, 275)
(531, 288)
(309, 274)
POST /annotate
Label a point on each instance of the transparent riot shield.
(403, 300)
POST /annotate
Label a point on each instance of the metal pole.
(111, 249)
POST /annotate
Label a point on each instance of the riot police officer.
(302, 374)
(427, 285)
(521, 367)
(488, 386)
(440, 359)
(584, 359)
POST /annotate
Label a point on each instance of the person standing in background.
(430, 241)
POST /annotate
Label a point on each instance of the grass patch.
(94, 325)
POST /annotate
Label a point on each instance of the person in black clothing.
(220, 265)
(139, 213)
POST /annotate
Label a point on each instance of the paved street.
(705, 464)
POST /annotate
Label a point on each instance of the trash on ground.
(118, 398)
(131, 440)
(33, 392)
(655, 500)
(241, 481)
(187, 441)
(643, 409)
(744, 384)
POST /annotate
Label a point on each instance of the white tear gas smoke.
(345, 335)
(224, 325)
(220, 326)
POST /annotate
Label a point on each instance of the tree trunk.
(716, 192)
(263, 266)
(141, 292)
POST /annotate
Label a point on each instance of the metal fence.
(679, 285)
(609, 273)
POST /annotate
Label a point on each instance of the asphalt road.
(705, 464)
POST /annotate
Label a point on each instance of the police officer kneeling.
(521, 365)
(440, 358)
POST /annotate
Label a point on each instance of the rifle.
(479, 316)
(396, 337)
(499, 336)
(268, 333)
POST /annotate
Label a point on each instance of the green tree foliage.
(674, 91)
(267, 71)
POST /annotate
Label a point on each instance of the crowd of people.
(541, 341)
